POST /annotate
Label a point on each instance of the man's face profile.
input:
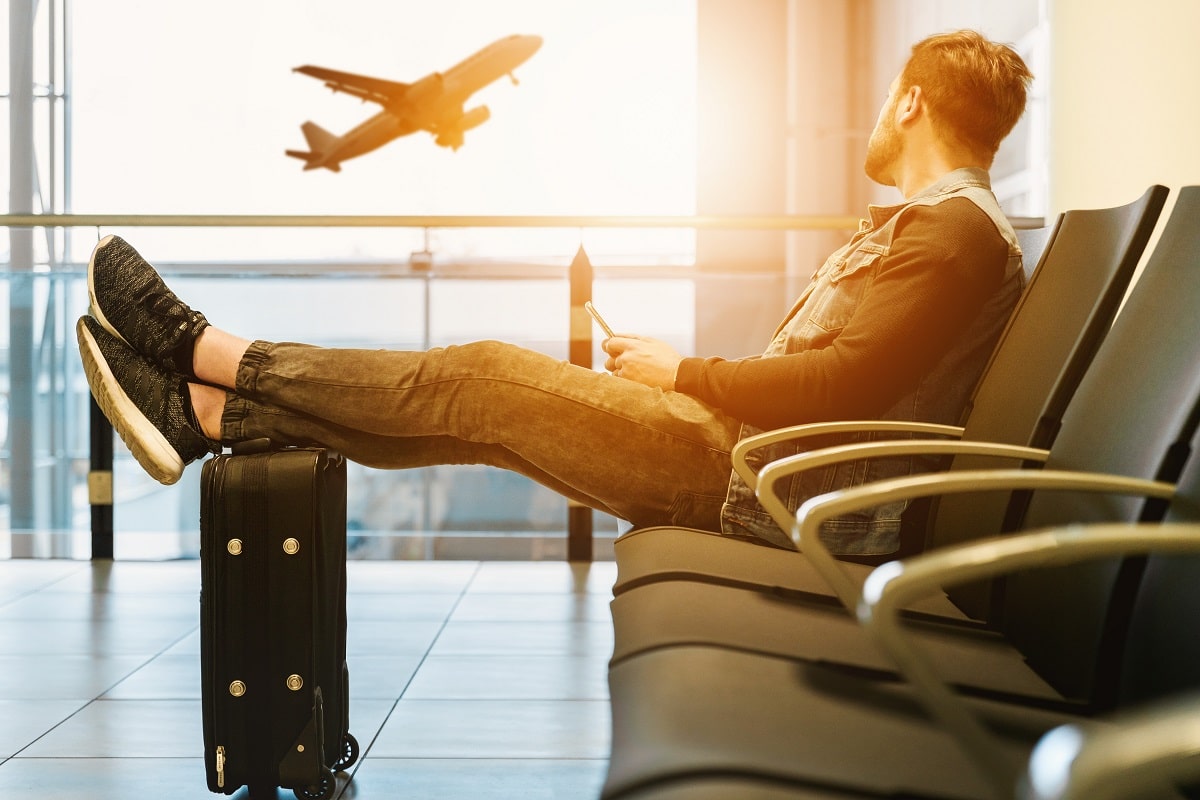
(883, 148)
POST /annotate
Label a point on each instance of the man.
(897, 324)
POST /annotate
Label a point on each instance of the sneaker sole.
(97, 312)
(149, 447)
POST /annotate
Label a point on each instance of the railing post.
(100, 483)
(579, 277)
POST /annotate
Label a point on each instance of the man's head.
(972, 89)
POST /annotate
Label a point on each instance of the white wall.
(1124, 110)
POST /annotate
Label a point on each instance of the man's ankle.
(207, 406)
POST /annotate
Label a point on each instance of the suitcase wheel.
(349, 754)
(319, 791)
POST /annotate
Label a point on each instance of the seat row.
(1055, 589)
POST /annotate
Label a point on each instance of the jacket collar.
(949, 183)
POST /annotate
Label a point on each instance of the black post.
(579, 517)
(100, 485)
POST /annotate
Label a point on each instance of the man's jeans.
(640, 454)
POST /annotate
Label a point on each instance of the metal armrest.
(775, 471)
(1149, 749)
(760, 440)
(815, 511)
(893, 586)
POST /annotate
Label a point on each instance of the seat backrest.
(1135, 413)
(1064, 313)
(1161, 654)
(1060, 320)
(1033, 243)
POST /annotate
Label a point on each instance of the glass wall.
(150, 109)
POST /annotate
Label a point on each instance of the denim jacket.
(940, 396)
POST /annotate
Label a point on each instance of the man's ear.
(911, 105)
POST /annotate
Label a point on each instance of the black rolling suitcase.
(273, 621)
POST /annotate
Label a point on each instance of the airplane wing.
(376, 90)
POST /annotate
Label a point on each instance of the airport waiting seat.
(687, 711)
(1145, 434)
(843, 736)
(1069, 302)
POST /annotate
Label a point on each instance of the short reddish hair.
(975, 88)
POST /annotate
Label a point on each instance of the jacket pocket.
(835, 299)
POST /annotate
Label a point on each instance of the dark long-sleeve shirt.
(897, 325)
(944, 263)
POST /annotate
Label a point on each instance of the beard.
(883, 152)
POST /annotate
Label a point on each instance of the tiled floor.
(468, 680)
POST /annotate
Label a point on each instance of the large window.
(164, 109)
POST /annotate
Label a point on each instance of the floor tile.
(532, 677)
(381, 677)
(64, 677)
(400, 606)
(565, 638)
(478, 607)
(126, 729)
(379, 637)
(554, 577)
(81, 637)
(187, 645)
(495, 729)
(476, 779)
(175, 677)
(18, 577)
(367, 718)
(165, 577)
(409, 576)
(107, 779)
(26, 720)
(100, 606)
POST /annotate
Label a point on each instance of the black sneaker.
(132, 303)
(146, 405)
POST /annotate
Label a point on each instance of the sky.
(188, 108)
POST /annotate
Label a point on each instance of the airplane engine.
(452, 134)
(474, 118)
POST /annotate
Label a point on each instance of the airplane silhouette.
(434, 103)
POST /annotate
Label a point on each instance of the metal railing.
(764, 222)
(579, 534)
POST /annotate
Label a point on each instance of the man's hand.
(642, 359)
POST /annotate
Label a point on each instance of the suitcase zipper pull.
(220, 766)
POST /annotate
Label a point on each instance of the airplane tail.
(319, 141)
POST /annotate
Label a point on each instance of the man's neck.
(913, 177)
(926, 156)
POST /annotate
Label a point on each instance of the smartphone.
(591, 309)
